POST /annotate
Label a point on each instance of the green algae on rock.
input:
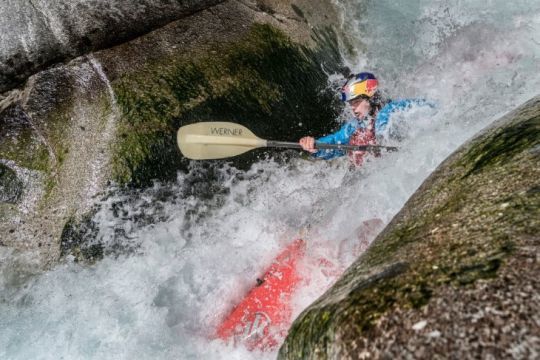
(467, 239)
(10, 186)
(264, 81)
(57, 135)
(19, 141)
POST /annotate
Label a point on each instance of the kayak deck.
(263, 316)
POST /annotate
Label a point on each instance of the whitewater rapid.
(180, 255)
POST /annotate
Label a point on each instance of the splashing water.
(179, 256)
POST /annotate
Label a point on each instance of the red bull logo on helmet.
(362, 84)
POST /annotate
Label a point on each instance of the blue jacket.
(343, 135)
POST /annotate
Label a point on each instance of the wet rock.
(263, 81)
(470, 289)
(10, 186)
(65, 168)
(110, 116)
(78, 239)
(37, 34)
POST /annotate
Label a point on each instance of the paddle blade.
(216, 140)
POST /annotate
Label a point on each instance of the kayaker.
(372, 113)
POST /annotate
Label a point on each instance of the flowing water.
(178, 256)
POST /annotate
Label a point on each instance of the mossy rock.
(78, 239)
(264, 81)
(466, 241)
(33, 128)
(11, 186)
(19, 141)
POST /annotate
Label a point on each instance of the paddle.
(218, 140)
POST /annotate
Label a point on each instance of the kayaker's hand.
(308, 144)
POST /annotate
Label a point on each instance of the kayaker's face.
(360, 107)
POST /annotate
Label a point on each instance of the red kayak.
(263, 317)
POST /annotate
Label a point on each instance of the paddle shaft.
(323, 146)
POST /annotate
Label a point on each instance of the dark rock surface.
(456, 273)
(10, 186)
(37, 33)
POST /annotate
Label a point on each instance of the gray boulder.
(38, 33)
